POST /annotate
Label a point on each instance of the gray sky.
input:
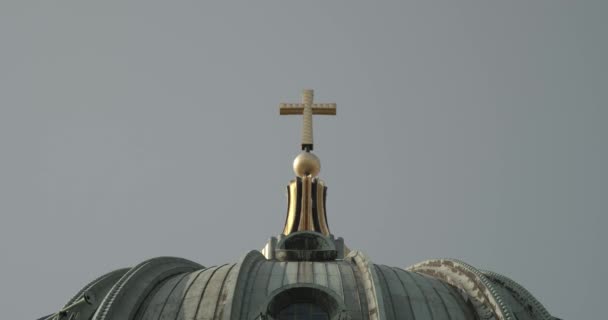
(466, 129)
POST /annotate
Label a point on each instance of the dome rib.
(205, 293)
(409, 295)
(222, 298)
(242, 302)
(484, 295)
(405, 293)
(108, 277)
(351, 293)
(210, 296)
(465, 308)
(91, 293)
(391, 314)
(138, 282)
(177, 294)
(521, 294)
(360, 292)
(201, 293)
(157, 302)
(371, 284)
(434, 302)
(195, 293)
(250, 284)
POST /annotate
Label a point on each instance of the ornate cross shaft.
(307, 108)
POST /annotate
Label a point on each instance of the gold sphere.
(306, 164)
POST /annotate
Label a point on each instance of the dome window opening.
(303, 311)
(305, 303)
(307, 241)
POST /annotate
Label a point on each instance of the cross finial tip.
(307, 96)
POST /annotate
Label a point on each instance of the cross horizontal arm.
(298, 108)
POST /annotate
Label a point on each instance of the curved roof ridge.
(151, 272)
(485, 296)
(371, 283)
(116, 273)
(521, 294)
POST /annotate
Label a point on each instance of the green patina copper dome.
(349, 288)
(304, 273)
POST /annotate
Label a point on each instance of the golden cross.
(307, 108)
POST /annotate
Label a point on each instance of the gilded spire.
(307, 193)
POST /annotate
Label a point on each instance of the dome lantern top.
(307, 193)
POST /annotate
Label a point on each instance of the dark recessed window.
(303, 311)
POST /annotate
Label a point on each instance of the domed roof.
(304, 273)
(256, 287)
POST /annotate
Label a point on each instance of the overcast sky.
(466, 129)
